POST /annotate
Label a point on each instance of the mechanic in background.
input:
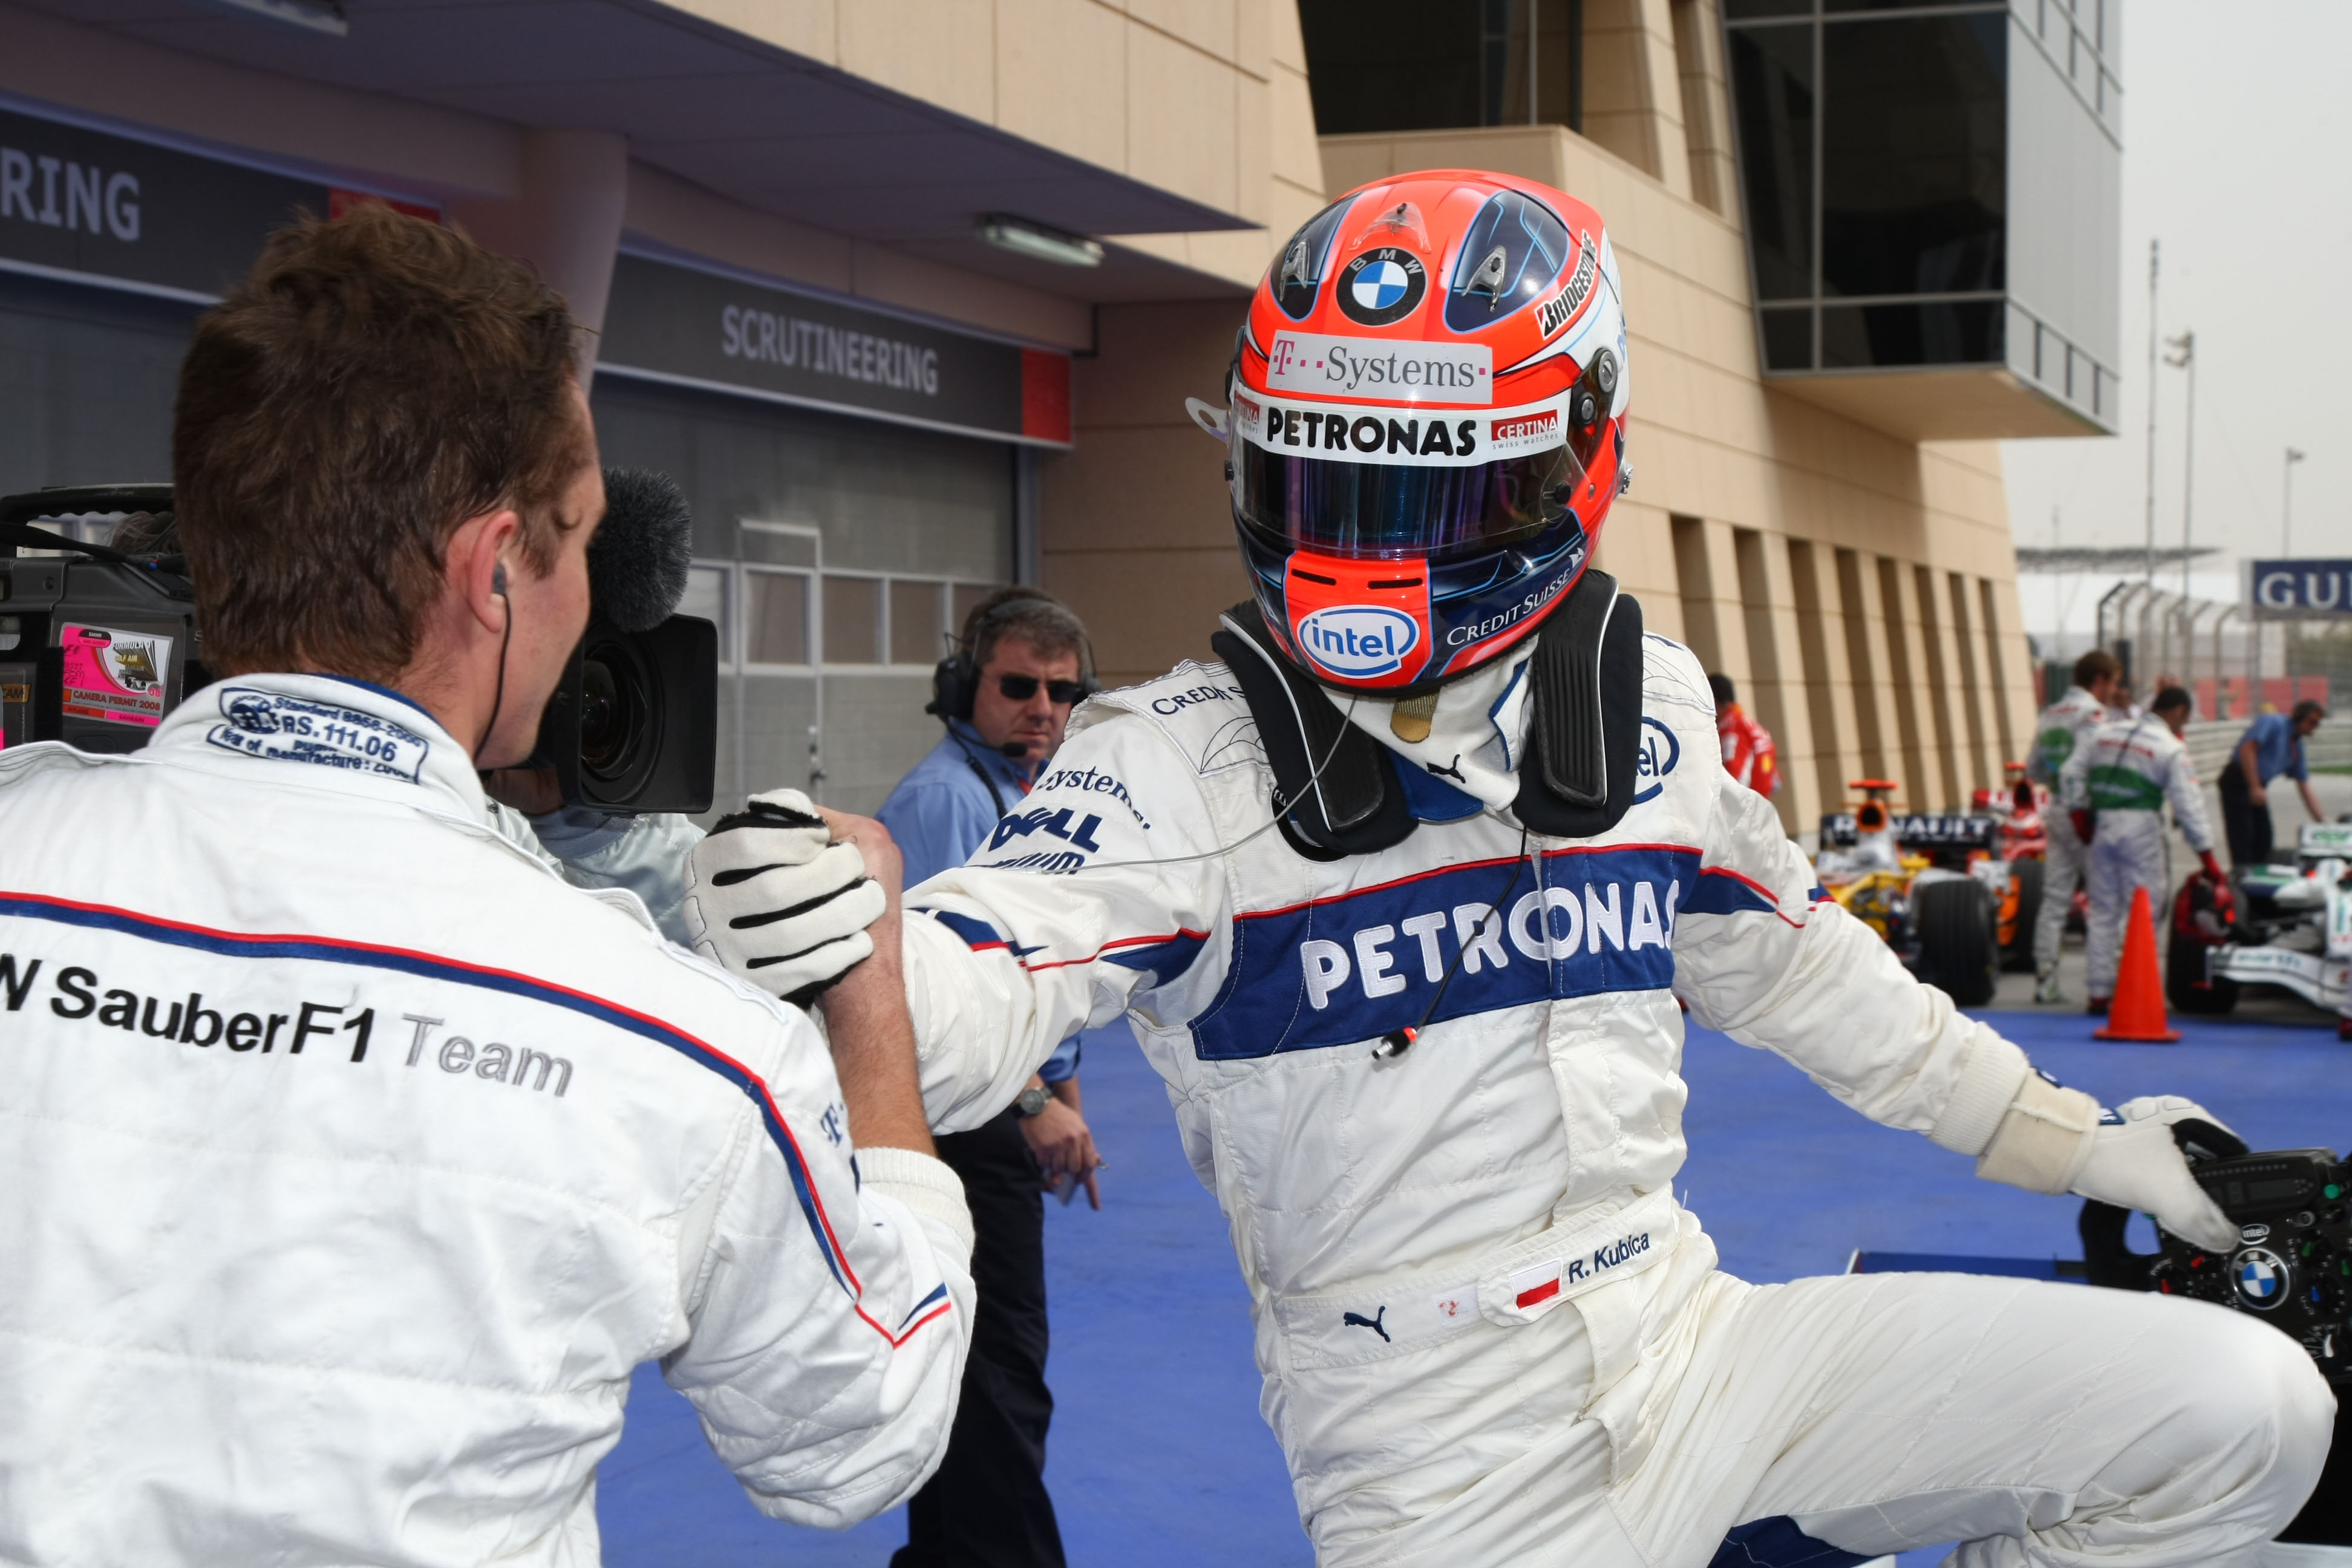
(1749, 754)
(2272, 745)
(2056, 733)
(2114, 790)
(1005, 695)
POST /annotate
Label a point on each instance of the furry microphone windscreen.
(637, 562)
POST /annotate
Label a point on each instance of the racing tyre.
(2185, 986)
(1957, 949)
(2025, 885)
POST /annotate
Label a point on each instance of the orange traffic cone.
(2137, 1012)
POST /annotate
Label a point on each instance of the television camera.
(99, 642)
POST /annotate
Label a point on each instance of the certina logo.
(1561, 308)
(1358, 640)
(1406, 372)
(1525, 427)
(1382, 286)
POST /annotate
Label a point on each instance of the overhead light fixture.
(1022, 237)
(324, 17)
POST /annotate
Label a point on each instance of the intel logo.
(1358, 640)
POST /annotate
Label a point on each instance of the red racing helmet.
(1426, 425)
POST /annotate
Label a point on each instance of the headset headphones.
(955, 680)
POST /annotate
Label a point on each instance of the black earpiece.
(955, 680)
(499, 578)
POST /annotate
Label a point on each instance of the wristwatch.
(1033, 1099)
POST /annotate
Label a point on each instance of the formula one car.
(2289, 926)
(1929, 884)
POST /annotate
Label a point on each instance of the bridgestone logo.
(1561, 309)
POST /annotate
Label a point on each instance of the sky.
(2236, 127)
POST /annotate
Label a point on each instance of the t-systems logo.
(1539, 429)
(1379, 369)
(1358, 641)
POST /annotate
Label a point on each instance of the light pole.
(2286, 503)
(2184, 357)
(2147, 571)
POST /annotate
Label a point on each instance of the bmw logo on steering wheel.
(2260, 1276)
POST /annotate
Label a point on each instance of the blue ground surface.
(1158, 1457)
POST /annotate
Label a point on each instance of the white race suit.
(2123, 772)
(2056, 733)
(1487, 1332)
(349, 1161)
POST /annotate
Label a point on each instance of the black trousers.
(987, 1506)
(2246, 825)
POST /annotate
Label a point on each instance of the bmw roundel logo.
(1382, 285)
(1358, 641)
(2260, 1275)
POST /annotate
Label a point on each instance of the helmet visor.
(1382, 510)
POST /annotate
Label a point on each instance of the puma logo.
(1453, 772)
(1358, 1320)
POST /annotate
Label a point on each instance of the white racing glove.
(774, 899)
(2056, 1140)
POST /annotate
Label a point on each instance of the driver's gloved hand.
(775, 901)
(2058, 1140)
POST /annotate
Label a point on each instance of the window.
(1772, 79)
(1874, 158)
(1914, 149)
(852, 620)
(776, 610)
(1436, 65)
(915, 623)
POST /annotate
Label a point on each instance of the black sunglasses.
(1021, 688)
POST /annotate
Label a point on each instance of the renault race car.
(1930, 884)
(2289, 926)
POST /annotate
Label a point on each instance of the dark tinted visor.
(1381, 510)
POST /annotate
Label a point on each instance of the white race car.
(2292, 927)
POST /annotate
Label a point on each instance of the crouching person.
(354, 1160)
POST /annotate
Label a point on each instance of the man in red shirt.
(1747, 752)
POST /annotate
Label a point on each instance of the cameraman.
(355, 1160)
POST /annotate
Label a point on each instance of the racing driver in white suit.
(2116, 784)
(349, 1161)
(1397, 900)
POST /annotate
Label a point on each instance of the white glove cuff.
(923, 1184)
(1989, 1076)
(2045, 1139)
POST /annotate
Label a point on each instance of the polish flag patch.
(1533, 1287)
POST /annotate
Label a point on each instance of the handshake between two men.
(797, 898)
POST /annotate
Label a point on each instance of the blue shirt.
(944, 809)
(2277, 748)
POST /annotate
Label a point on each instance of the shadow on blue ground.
(1158, 1455)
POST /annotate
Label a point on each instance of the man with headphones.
(1005, 694)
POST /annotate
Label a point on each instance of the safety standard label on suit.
(297, 729)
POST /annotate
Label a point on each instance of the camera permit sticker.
(117, 676)
(297, 729)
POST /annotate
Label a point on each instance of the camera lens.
(615, 714)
